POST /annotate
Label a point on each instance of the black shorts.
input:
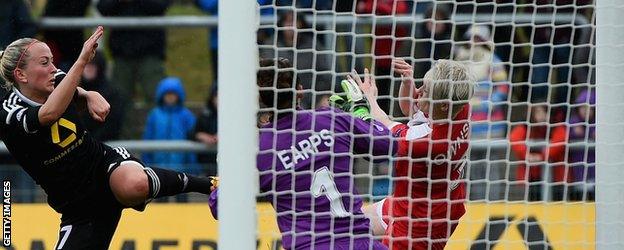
(91, 223)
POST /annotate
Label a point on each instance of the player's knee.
(137, 186)
(130, 187)
(369, 210)
(376, 222)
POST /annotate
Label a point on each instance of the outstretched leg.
(134, 185)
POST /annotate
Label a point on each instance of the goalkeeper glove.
(339, 102)
(355, 103)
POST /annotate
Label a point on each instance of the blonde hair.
(10, 57)
(451, 80)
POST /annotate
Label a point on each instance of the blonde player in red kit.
(429, 191)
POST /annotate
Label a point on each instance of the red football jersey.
(429, 189)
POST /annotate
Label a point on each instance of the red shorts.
(424, 235)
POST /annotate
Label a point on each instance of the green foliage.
(188, 55)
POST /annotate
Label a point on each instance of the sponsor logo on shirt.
(65, 152)
(56, 136)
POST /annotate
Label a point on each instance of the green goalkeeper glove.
(355, 103)
(339, 102)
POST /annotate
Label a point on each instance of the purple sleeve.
(373, 138)
(212, 203)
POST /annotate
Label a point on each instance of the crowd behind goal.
(532, 112)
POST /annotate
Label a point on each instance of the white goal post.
(609, 125)
(238, 104)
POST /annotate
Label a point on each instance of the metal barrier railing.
(191, 146)
(340, 18)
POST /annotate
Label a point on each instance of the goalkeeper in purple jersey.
(304, 162)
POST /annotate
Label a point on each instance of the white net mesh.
(530, 181)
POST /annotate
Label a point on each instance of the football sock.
(164, 182)
(199, 184)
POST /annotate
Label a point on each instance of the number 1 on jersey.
(323, 184)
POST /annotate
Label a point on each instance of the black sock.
(164, 182)
(200, 184)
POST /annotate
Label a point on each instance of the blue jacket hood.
(170, 84)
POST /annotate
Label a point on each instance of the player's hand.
(98, 106)
(339, 102)
(351, 97)
(368, 86)
(403, 68)
(406, 71)
(90, 45)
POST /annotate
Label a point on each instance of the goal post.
(609, 125)
(238, 137)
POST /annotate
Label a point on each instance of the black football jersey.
(61, 157)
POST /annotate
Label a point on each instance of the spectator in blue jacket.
(170, 120)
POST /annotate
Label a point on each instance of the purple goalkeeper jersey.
(305, 165)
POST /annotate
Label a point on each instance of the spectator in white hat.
(492, 90)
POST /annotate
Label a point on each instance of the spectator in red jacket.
(534, 159)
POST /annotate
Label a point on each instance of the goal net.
(530, 181)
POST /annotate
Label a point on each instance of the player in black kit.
(86, 181)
